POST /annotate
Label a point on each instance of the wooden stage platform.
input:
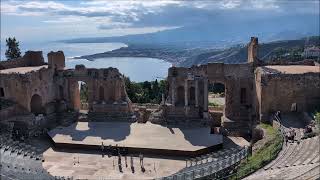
(145, 138)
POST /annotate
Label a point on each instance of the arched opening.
(36, 104)
(216, 96)
(192, 96)
(180, 96)
(83, 91)
(101, 93)
(1, 92)
(61, 94)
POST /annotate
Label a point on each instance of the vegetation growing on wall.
(264, 155)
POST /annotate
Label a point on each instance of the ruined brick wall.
(237, 78)
(21, 87)
(106, 89)
(14, 110)
(31, 58)
(56, 60)
(278, 92)
(253, 50)
(18, 62)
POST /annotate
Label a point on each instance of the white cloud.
(100, 16)
(266, 4)
(230, 4)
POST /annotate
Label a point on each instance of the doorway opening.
(83, 94)
(36, 105)
(216, 96)
(1, 92)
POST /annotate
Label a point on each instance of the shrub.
(264, 155)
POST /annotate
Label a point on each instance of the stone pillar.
(205, 100)
(196, 93)
(163, 100)
(205, 94)
(186, 92)
(173, 91)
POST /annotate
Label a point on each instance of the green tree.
(145, 92)
(83, 92)
(13, 50)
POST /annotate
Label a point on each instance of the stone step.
(305, 154)
(299, 153)
(312, 149)
(284, 151)
(282, 161)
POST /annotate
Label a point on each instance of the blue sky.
(35, 20)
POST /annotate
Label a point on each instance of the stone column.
(205, 94)
(205, 99)
(196, 93)
(173, 91)
(186, 92)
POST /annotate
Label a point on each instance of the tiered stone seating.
(293, 172)
(294, 162)
(20, 160)
(295, 154)
(297, 160)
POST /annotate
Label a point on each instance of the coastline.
(170, 56)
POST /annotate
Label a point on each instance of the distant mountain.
(222, 32)
(288, 49)
(267, 52)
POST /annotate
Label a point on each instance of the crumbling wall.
(237, 78)
(31, 58)
(21, 87)
(56, 60)
(253, 50)
(106, 89)
(287, 92)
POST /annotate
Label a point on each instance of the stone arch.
(192, 96)
(36, 104)
(101, 93)
(1, 92)
(180, 95)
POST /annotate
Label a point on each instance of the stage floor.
(136, 135)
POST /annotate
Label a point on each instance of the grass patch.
(214, 104)
(263, 156)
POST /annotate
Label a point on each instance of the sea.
(136, 68)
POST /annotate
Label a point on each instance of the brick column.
(173, 91)
(205, 94)
(205, 99)
(186, 92)
(196, 93)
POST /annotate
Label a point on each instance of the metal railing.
(208, 168)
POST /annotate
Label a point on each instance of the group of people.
(290, 135)
(121, 152)
(113, 151)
